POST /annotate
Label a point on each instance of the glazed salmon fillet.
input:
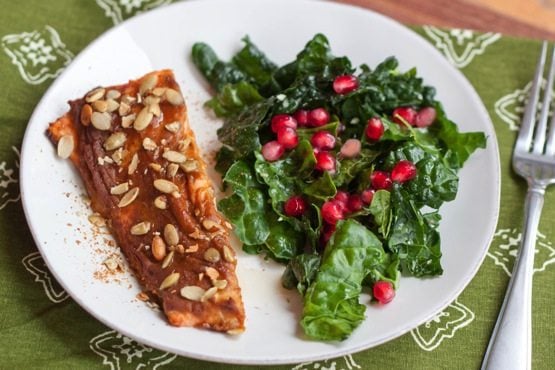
(142, 169)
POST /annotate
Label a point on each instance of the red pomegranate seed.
(332, 212)
(380, 180)
(272, 151)
(282, 120)
(351, 148)
(425, 117)
(287, 137)
(374, 128)
(318, 117)
(325, 161)
(406, 114)
(323, 140)
(345, 84)
(367, 196)
(383, 291)
(294, 206)
(327, 232)
(403, 171)
(342, 196)
(355, 203)
(301, 116)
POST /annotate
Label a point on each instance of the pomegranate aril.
(403, 171)
(355, 203)
(272, 151)
(294, 206)
(425, 117)
(374, 129)
(323, 140)
(342, 196)
(318, 117)
(383, 291)
(282, 120)
(406, 114)
(327, 232)
(380, 180)
(325, 161)
(367, 196)
(287, 137)
(351, 148)
(345, 84)
(301, 116)
(332, 212)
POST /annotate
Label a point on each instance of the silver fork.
(510, 346)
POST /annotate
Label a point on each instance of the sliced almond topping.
(190, 165)
(212, 273)
(115, 141)
(212, 255)
(100, 106)
(228, 254)
(209, 224)
(97, 220)
(127, 121)
(158, 248)
(174, 97)
(101, 121)
(65, 146)
(197, 235)
(129, 197)
(155, 167)
(143, 119)
(149, 144)
(124, 108)
(148, 83)
(111, 105)
(192, 292)
(120, 189)
(141, 228)
(165, 186)
(149, 100)
(220, 284)
(192, 249)
(170, 234)
(168, 260)
(184, 144)
(111, 263)
(118, 155)
(133, 164)
(128, 99)
(174, 156)
(173, 127)
(172, 170)
(112, 94)
(170, 280)
(161, 202)
(94, 95)
(86, 113)
(159, 91)
(209, 294)
(154, 109)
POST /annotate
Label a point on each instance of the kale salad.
(336, 171)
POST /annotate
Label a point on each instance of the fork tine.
(527, 125)
(541, 128)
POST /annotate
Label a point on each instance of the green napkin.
(41, 327)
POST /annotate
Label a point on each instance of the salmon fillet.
(141, 166)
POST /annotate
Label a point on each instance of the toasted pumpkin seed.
(192, 292)
(161, 202)
(101, 121)
(168, 259)
(170, 280)
(143, 119)
(173, 127)
(86, 113)
(171, 235)
(174, 97)
(149, 144)
(119, 189)
(65, 146)
(95, 94)
(129, 197)
(212, 255)
(148, 83)
(209, 294)
(174, 156)
(165, 186)
(133, 164)
(114, 141)
(141, 228)
(158, 248)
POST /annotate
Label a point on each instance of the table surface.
(524, 18)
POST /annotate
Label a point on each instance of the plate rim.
(423, 43)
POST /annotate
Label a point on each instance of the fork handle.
(510, 346)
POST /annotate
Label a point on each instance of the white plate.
(163, 38)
